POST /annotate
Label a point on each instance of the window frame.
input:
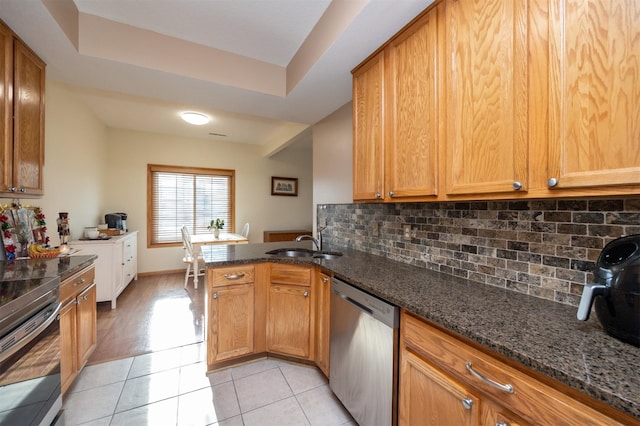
(203, 171)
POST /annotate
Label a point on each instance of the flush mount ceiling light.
(195, 118)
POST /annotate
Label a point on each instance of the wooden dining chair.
(189, 257)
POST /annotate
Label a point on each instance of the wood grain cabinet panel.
(594, 93)
(289, 312)
(78, 324)
(486, 97)
(368, 130)
(22, 90)
(323, 321)
(231, 322)
(289, 320)
(414, 121)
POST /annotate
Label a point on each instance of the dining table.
(199, 240)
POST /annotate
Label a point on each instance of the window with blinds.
(187, 196)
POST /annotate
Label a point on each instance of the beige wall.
(91, 170)
(333, 159)
(130, 152)
(75, 163)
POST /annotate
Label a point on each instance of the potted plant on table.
(215, 226)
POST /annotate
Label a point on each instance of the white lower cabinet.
(116, 266)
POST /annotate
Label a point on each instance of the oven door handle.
(31, 336)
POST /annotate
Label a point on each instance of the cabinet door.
(414, 74)
(428, 397)
(231, 330)
(86, 323)
(323, 317)
(493, 414)
(68, 353)
(6, 108)
(594, 88)
(368, 128)
(28, 124)
(130, 259)
(487, 115)
(289, 320)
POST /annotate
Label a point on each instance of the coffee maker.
(116, 221)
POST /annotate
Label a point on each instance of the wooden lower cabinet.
(231, 328)
(289, 312)
(232, 322)
(436, 386)
(260, 308)
(323, 318)
(78, 324)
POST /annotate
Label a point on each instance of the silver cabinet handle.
(13, 189)
(517, 185)
(507, 388)
(23, 190)
(84, 297)
(79, 282)
(325, 279)
(501, 424)
(552, 182)
(467, 403)
(306, 293)
(234, 276)
(215, 295)
(378, 195)
(391, 194)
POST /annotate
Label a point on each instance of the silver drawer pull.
(215, 295)
(467, 403)
(234, 276)
(507, 388)
(306, 293)
(80, 281)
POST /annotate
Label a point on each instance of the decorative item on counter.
(216, 226)
(63, 229)
(22, 226)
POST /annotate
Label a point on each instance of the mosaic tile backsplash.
(545, 248)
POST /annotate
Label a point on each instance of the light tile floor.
(171, 387)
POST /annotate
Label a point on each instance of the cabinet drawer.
(287, 274)
(76, 283)
(240, 274)
(528, 395)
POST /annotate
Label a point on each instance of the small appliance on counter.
(116, 221)
(616, 292)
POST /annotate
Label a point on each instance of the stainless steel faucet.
(309, 237)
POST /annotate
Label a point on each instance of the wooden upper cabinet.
(22, 114)
(368, 130)
(594, 93)
(414, 73)
(487, 115)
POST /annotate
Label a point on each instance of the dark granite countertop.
(540, 334)
(28, 269)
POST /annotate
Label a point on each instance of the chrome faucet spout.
(308, 237)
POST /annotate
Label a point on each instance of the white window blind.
(188, 196)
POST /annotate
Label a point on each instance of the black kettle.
(616, 292)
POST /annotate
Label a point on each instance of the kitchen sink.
(287, 252)
(326, 255)
(295, 252)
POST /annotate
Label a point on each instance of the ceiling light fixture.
(195, 118)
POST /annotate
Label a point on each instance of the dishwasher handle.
(377, 308)
(353, 302)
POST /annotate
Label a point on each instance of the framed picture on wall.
(284, 186)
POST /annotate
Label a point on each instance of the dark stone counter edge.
(245, 255)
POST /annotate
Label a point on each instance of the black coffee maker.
(616, 292)
(116, 221)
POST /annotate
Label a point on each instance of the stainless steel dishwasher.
(364, 354)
